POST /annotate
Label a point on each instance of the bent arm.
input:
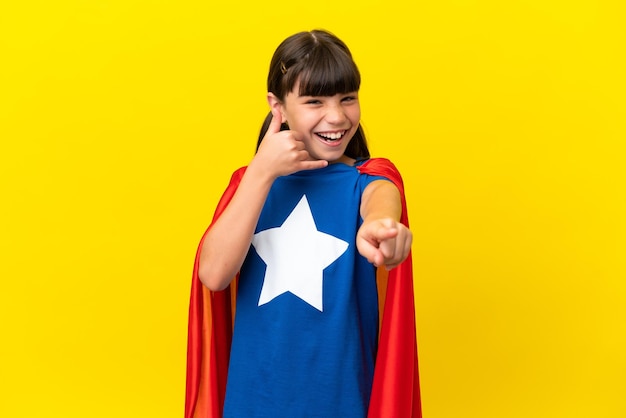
(227, 242)
(382, 239)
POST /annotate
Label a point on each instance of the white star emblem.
(296, 254)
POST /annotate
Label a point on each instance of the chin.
(337, 159)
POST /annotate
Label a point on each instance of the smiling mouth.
(331, 136)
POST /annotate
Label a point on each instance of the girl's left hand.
(384, 242)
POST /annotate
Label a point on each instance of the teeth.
(332, 135)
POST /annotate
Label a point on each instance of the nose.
(335, 114)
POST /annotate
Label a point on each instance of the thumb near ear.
(275, 123)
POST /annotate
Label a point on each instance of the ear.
(276, 106)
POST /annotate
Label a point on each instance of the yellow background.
(121, 121)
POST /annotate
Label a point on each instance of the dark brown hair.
(323, 66)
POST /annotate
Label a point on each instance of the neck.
(344, 160)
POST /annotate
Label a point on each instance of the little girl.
(296, 242)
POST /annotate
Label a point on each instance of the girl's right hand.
(283, 152)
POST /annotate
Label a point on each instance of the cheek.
(307, 121)
(355, 116)
(299, 119)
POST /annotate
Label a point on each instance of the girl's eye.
(348, 99)
(313, 101)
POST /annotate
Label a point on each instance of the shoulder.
(378, 166)
(376, 163)
(382, 167)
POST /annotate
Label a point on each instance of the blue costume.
(306, 326)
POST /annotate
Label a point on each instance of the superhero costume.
(395, 391)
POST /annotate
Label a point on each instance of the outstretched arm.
(227, 242)
(382, 239)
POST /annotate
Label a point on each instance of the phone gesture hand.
(283, 152)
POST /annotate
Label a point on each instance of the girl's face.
(326, 123)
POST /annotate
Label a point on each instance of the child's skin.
(320, 129)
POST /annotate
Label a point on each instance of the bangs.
(328, 74)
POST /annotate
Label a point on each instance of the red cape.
(395, 392)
